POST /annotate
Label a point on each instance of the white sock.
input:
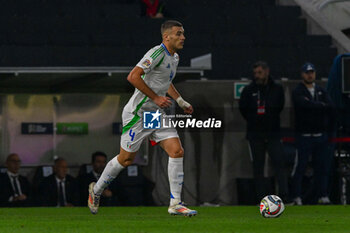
(110, 172)
(176, 178)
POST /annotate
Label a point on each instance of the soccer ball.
(271, 206)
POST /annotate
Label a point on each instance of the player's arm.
(135, 79)
(180, 101)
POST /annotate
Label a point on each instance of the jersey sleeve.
(151, 59)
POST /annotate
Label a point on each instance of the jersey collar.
(166, 50)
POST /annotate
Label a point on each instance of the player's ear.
(165, 36)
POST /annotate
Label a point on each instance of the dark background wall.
(213, 158)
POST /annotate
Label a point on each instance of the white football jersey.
(160, 69)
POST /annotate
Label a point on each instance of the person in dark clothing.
(152, 8)
(15, 189)
(99, 161)
(314, 121)
(59, 189)
(260, 104)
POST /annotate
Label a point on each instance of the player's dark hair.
(261, 64)
(169, 24)
(96, 154)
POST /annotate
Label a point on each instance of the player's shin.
(176, 177)
(110, 172)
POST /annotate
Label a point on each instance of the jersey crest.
(146, 63)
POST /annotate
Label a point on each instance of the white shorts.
(133, 135)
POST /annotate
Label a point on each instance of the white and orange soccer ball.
(271, 206)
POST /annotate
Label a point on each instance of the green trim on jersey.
(157, 53)
(143, 76)
(136, 117)
(160, 62)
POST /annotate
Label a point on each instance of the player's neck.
(170, 50)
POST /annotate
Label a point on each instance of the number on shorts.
(132, 135)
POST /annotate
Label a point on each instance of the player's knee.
(126, 160)
(178, 153)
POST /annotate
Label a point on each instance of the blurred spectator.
(59, 189)
(15, 189)
(99, 161)
(152, 8)
(314, 120)
(260, 104)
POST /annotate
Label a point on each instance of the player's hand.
(188, 110)
(107, 193)
(162, 101)
(187, 107)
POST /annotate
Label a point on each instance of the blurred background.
(63, 69)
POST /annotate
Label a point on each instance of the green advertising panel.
(72, 128)
(239, 86)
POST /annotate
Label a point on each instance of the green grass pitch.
(237, 219)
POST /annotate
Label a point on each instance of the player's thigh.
(169, 141)
(133, 135)
(172, 147)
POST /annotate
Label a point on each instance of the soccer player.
(152, 78)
